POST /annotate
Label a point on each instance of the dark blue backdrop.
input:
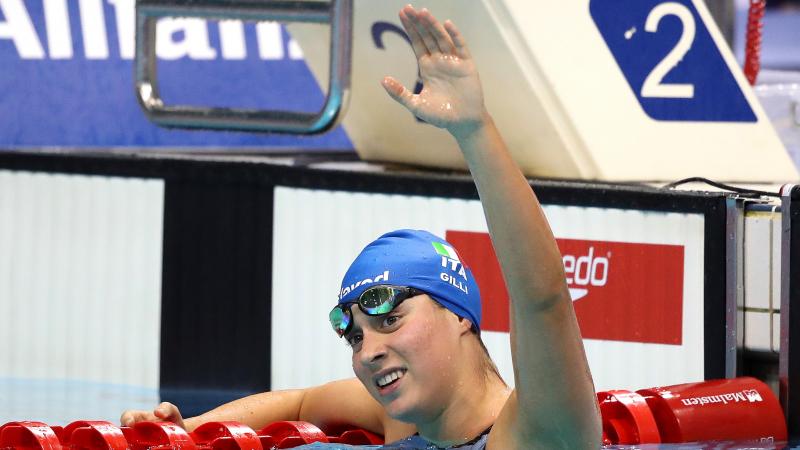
(88, 102)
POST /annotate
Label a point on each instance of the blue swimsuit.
(417, 442)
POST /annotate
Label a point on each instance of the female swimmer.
(422, 374)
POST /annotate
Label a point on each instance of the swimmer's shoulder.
(503, 435)
(396, 430)
(510, 432)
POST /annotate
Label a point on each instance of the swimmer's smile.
(387, 381)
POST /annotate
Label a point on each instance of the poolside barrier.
(739, 409)
(100, 435)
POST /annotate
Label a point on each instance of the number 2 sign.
(670, 60)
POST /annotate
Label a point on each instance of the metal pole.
(724, 13)
(734, 286)
(789, 360)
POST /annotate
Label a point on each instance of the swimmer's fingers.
(169, 413)
(422, 28)
(438, 32)
(397, 91)
(458, 40)
(165, 412)
(131, 417)
(416, 40)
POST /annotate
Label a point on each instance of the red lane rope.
(752, 50)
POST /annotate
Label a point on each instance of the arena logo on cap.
(379, 277)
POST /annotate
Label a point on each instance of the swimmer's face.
(407, 359)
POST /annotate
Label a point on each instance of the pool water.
(60, 402)
(687, 446)
(706, 446)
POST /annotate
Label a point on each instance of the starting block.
(612, 90)
(592, 89)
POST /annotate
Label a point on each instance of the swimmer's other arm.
(328, 406)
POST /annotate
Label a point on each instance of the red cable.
(752, 49)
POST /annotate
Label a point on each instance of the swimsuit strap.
(465, 444)
(476, 439)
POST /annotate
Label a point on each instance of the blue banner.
(66, 77)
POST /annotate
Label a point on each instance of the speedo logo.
(378, 278)
(584, 272)
(747, 395)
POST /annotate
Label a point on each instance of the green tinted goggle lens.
(375, 301)
(340, 319)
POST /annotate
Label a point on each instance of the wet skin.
(421, 340)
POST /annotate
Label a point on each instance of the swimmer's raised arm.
(554, 405)
(321, 405)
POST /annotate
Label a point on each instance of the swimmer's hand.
(451, 97)
(165, 412)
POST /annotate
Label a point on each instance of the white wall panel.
(318, 233)
(762, 271)
(759, 330)
(629, 365)
(80, 278)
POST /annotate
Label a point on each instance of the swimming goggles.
(374, 301)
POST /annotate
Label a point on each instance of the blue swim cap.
(420, 260)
